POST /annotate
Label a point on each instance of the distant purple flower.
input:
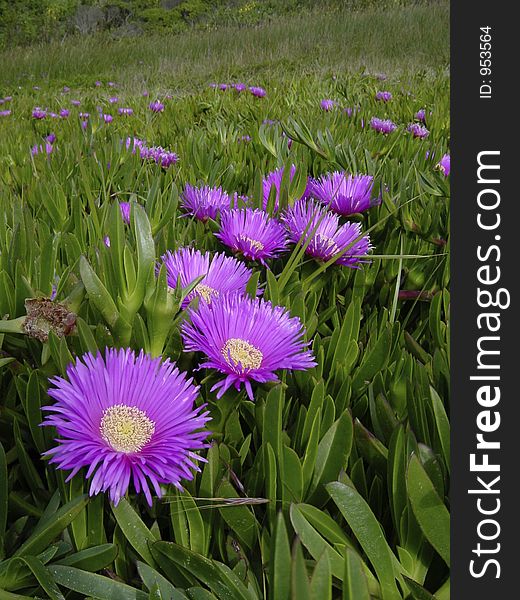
(257, 91)
(418, 131)
(113, 100)
(348, 111)
(8, 98)
(39, 113)
(213, 86)
(64, 113)
(54, 115)
(128, 418)
(124, 207)
(46, 149)
(159, 155)
(134, 143)
(205, 202)
(327, 105)
(420, 115)
(222, 274)
(240, 87)
(156, 106)
(307, 220)
(125, 111)
(51, 138)
(247, 340)
(382, 126)
(252, 233)
(111, 84)
(84, 116)
(384, 96)
(245, 138)
(344, 194)
(270, 122)
(5, 113)
(84, 124)
(106, 241)
(75, 102)
(223, 87)
(98, 84)
(145, 94)
(66, 89)
(108, 118)
(444, 165)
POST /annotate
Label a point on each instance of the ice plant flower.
(108, 118)
(46, 148)
(252, 233)
(5, 113)
(384, 96)
(223, 87)
(420, 115)
(247, 340)
(418, 131)
(158, 154)
(39, 113)
(127, 419)
(444, 165)
(274, 179)
(382, 125)
(327, 105)
(311, 223)
(344, 194)
(51, 138)
(75, 102)
(124, 207)
(257, 91)
(64, 113)
(125, 111)
(205, 202)
(156, 106)
(222, 274)
(240, 87)
(113, 100)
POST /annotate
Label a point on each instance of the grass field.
(324, 470)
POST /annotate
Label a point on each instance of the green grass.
(394, 41)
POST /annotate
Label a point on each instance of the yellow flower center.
(205, 292)
(239, 352)
(253, 243)
(126, 428)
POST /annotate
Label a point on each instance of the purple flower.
(274, 180)
(46, 149)
(420, 115)
(257, 91)
(98, 84)
(343, 194)
(313, 224)
(134, 143)
(223, 87)
(125, 211)
(444, 165)
(383, 126)
(5, 113)
(156, 106)
(128, 419)
(240, 87)
(418, 131)
(247, 340)
(106, 241)
(111, 84)
(270, 122)
(222, 274)
(252, 233)
(245, 138)
(113, 100)
(125, 111)
(64, 113)
(54, 115)
(205, 202)
(108, 118)
(51, 138)
(66, 89)
(84, 124)
(75, 102)
(384, 96)
(158, 154)
(327, 105)
(84, 116)
(39, 113)
(145, 94)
